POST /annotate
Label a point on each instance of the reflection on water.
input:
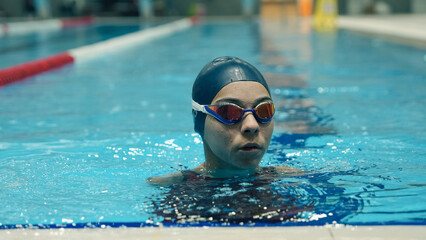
(283, 46)
(309, 199)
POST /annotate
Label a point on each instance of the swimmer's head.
(216, 75)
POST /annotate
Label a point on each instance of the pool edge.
(316, 232)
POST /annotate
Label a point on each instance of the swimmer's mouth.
(251, 147)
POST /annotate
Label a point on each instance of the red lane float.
(19, 28)
(195, 19)
(29, 69)
(5, 29)
(76, 22)
(22, 71)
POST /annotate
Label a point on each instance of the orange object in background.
(305, 7)
(278, 9)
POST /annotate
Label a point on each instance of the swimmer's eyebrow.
(241, 103)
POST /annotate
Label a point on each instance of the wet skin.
(235, 149)
(238, 146)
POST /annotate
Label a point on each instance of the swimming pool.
(78, 143)
(22, 47)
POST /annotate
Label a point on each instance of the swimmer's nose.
(249, 124)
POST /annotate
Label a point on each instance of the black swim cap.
(216, 75)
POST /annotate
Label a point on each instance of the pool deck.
(206, 233)
(405, 28)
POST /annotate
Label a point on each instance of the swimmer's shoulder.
(284, 170)
(177, 177)
(167, 179)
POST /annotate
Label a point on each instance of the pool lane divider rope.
(22, 71)
(20, 28)
(129, 40)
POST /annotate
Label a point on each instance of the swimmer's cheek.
(165, 180)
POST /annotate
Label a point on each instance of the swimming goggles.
(230, 113)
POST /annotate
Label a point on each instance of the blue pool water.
(20, 48)
(77, 144)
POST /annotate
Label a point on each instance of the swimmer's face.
(243, 144)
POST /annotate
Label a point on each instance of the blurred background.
(163, 8)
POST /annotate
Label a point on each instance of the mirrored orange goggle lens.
(233, 113)
(228, 112)
(265, 110)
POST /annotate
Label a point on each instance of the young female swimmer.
(233, 112)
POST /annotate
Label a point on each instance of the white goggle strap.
(198, 107)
